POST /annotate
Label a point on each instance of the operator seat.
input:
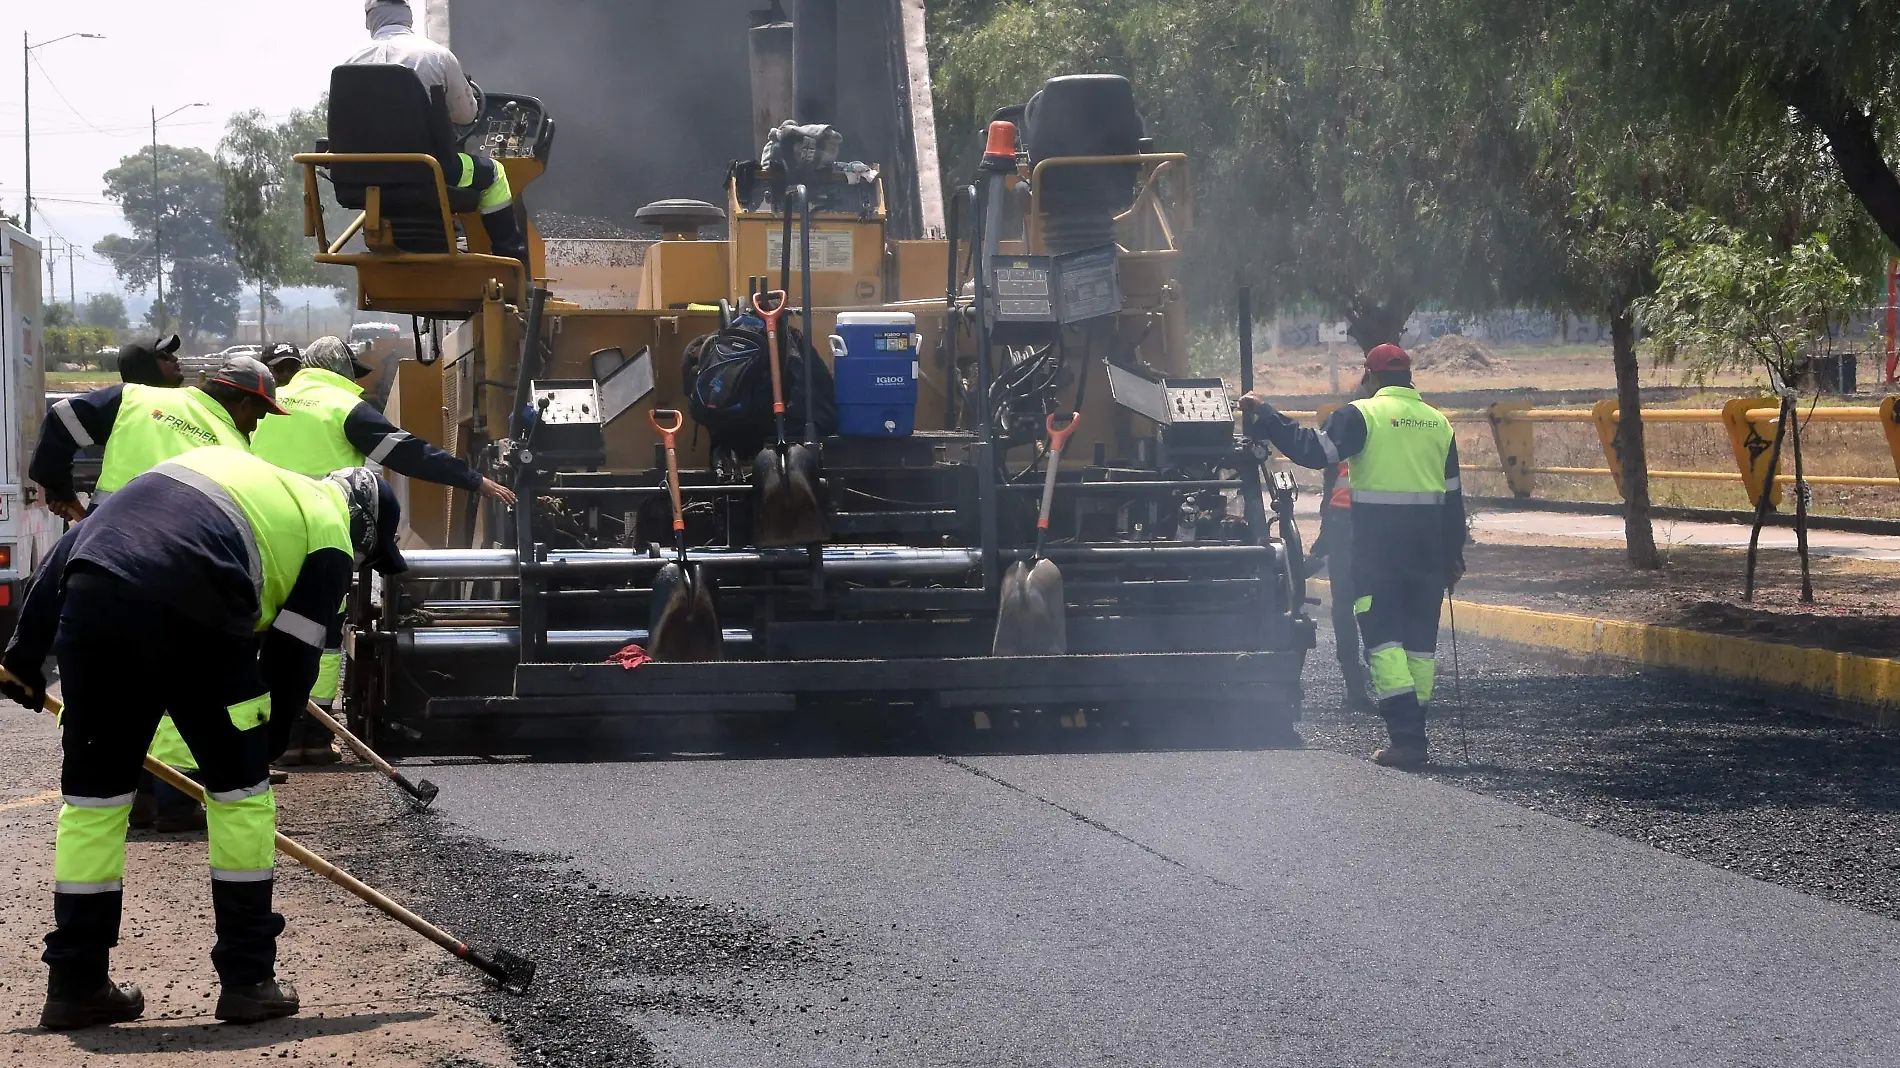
(382, 108)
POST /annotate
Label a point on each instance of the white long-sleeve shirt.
(433, 63)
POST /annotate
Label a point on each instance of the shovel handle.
(772, 319)
(1057, 440)
(672, 459)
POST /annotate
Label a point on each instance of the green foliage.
(184, 206)
(263, 193)
(1728, 299)
(76, 344)
(56, 314)
(104, 309)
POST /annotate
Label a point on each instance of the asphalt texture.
(1268, 907)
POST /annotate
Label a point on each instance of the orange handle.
(677, 420)
(1059, 439)
(775, 313)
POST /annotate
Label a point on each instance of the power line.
(56, 91)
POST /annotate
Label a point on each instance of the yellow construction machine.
(959, 339)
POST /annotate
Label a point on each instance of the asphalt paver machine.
(1049, 288)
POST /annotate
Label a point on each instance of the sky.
(92, 98)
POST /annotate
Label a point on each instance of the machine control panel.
(1199, 400)
(569, 430)
(567, 402)
(513, 127)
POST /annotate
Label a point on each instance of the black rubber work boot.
(505, 236)
(256, 1002)
(109, 1004)
(1405, 725)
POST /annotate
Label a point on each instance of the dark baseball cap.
(138, 361)
(280, 352)
(249, 374)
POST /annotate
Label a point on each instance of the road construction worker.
(141, 426)
(391, 25)
(154, 364)
(1408, 531)
(330, 427)
(200, 589)
(284, 362)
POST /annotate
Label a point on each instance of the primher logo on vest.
(183, 427)
(1409, 423)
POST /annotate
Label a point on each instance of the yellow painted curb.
(1870, 682)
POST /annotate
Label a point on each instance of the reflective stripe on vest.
(283, 516)
(1407, 442)
(156, 423)
(310, 440)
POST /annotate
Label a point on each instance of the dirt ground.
(1856, 605)
(374, 995)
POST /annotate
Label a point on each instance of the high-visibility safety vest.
(310, 440)
(1407, 442)
(156, 423)
(285, 516)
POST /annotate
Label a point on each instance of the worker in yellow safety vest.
(141, 427)
(331, 427)
(199, 590)
(1408, 531)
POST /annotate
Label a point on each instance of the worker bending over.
(331, 427)
(198, 590)
(394, 40)
(1408, 531)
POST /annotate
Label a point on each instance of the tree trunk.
(1854, 142)
(1372, 325)
(1800, 506)
(1638, 534)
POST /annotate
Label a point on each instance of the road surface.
(1295, 908)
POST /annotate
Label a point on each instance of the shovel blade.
(683, 623)
(789, 511)
(1032, 617)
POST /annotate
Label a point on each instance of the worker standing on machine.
(391, 25)
(197, 590)
(1408, 531)
(330, 427)
(140, 427)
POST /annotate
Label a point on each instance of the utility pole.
(26, 77)
(158, 217)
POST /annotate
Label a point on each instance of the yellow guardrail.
(1751, 424)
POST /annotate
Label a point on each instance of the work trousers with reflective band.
(1398, 619)
(487, 176)
(123, 663)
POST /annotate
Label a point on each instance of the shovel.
(786, 475)
(1032, 619)
(683, 627)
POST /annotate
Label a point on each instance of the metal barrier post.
(1515, 439)
(1607, 415)
(1890, 426)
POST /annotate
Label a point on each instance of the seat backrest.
(383, 108)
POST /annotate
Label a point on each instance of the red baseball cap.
(1388, 358)
(250, 375)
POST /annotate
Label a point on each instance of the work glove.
(25, 685)
(1456, 573)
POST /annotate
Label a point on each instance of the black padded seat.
(383, 109)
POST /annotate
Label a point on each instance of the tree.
(201, 273)
(1725, 298)
(105, 309)
(56, 315)
(263, 193)
(1337, 160)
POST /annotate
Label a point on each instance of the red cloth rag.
(631, 657)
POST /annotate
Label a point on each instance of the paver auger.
(1181, 601)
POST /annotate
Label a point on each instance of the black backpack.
(728, 378)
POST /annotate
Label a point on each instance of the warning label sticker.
(830, 250)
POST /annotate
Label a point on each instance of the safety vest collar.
(319, 375)
(1408, 392)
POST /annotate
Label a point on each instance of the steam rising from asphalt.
(652, 98)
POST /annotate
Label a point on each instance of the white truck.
(27, 529)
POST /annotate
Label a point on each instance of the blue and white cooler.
(874, 361)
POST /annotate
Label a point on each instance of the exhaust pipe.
(816, 47)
